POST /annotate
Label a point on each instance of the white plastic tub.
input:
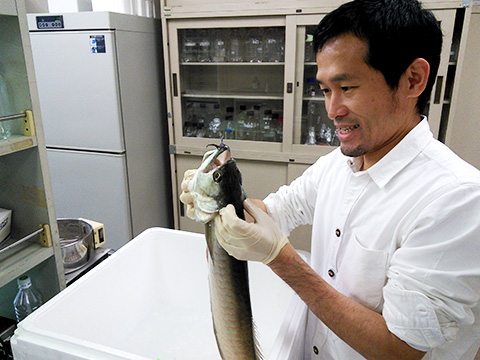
(150, 300)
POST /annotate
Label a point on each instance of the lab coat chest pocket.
(362, 274)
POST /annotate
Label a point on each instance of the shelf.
(246, 96)
(233, 63)
(16, 143)
(20, 259)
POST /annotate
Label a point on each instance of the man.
(395, 265)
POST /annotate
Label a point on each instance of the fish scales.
(228, 277)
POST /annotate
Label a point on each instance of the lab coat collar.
(399, 157)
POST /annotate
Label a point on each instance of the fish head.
(216, 183)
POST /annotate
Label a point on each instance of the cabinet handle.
(289, 88)
(175, 88)
(438, 90)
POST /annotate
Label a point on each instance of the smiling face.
(371, 118)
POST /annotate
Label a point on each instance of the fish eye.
(217, 176)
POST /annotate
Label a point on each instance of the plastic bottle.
(219, 47)
(204, 47)
(235, 51)
(255, 84)
(272, 46)
(189, 49)
(28, 298)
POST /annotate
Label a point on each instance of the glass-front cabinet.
(228, 80)
(252, 80)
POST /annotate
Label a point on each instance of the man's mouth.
(347, 129)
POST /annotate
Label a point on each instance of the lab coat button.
(315, 350)
(331, 273)
(338, 232)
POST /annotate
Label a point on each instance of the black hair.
(396, 32)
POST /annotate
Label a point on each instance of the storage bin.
(150, 300)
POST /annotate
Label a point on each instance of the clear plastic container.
(28, 298)
(267, 130)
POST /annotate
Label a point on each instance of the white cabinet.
(200, 82)
(24, 179)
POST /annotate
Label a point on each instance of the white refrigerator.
(102, 97)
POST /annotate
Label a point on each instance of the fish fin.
(256, 342)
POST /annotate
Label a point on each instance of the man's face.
(371, 118)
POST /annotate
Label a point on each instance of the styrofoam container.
(150, 300)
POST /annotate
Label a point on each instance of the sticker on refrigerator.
(97, 44)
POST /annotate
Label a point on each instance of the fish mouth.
(216, 158)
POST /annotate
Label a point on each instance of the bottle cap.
(24, 282)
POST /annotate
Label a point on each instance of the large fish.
(217, 183)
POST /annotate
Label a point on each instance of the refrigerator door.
(92, 186)
(77, 82)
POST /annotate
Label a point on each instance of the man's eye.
(324, 91)
(346, 88)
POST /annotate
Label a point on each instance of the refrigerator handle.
(175, 88)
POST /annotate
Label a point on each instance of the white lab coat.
(402, 238)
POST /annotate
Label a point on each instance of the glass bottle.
(219, 47)
(235, 51)
(189, 49)
(27, 300)
(267, 129)
(250, 126)
(215, 124)
(311, 121)
(272, 46)
(239, 120)
(201, 120)
(309, 55)
(229, 128)
(278, 123)
(254, 46)
(204, 47)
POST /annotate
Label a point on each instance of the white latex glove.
(186, 196)
(258, 241)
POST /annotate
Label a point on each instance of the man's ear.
(416, 77)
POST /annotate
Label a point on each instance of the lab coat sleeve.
(434, 275)
(293, 205)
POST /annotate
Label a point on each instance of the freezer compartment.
(150, 300)
(92, 185)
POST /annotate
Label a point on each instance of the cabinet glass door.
(230, 83)
(312, 125)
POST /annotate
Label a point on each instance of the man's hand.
(186, 197)
(258, 241)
